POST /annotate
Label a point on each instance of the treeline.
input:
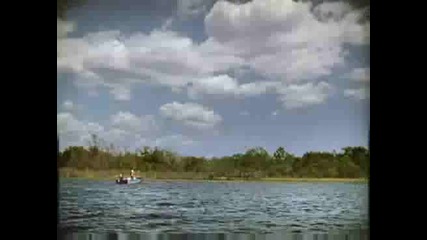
(352, 162)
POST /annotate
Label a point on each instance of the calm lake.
(213, 210)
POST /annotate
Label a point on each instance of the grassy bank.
(186, 176)
(276, 180)
(113, 173)
(287, 179)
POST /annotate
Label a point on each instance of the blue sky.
(212, 78)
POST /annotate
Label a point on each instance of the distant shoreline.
(278, 180)
(270, 180)
(191, 177)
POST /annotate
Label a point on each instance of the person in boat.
(132, 176)
(120, 178)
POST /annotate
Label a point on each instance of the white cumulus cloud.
(161, 57)
(283, 39)
(297, 96)
(75, 132)
(357, 94)
(363, 78)
(125, 130)
(191, 114)
(131, 123)
(360, 75)
(226, 85)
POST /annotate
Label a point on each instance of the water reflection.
(344, 235)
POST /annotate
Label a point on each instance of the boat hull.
(128, 181)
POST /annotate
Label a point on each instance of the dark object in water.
(128, 180)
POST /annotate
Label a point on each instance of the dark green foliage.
(352, 162)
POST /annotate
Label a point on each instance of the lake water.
(213, 210)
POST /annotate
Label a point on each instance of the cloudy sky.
(212, 78)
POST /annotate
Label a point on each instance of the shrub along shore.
(256, 164)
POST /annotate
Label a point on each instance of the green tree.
(193, 164)
(280, 155)
(352, 162)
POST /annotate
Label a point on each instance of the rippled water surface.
(177, 208)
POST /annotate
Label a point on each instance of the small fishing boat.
(128, 180)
